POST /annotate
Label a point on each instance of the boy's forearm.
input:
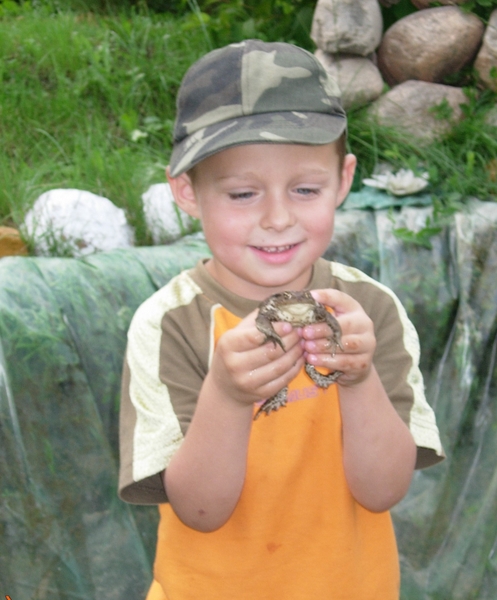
(205, 477)
(379, 451)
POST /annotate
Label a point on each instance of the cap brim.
(274, 128)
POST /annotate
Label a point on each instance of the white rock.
(486, 61)
(347, 26)
(165, 220)
(358, 78)
(70, 222)
(410, 106)
(491, 117)
(429, 45)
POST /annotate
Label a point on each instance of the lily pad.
(377, 199)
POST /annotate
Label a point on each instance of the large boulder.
(429, 45)
(165, 220)
(72, 222)
(347, 26)
(486, 61)
(410, 108)
(358, 78)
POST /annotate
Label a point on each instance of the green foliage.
(460, 166)
(393, 13)
(482, 8)
(422, 237)
(88, 102)
(269, 20)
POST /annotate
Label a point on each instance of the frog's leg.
(265, 326)
(273, 403)
(322, 381)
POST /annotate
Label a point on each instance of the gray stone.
(429, 45)
(347, 26)
(486, 61)
(410, 108)
(358, 78)
(491, 117)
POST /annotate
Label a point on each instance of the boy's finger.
(339, 301)
(254, 336)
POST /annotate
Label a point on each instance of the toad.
(299, 309)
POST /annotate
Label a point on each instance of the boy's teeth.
(276, 248)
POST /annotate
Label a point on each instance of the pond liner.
(63, 322)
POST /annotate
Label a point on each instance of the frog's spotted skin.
(299, 309)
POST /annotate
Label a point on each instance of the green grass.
(77, 86)
(460, 165)
(74, 89)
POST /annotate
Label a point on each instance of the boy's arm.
(379, 451)
(205, 477)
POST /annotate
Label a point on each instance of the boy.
(293, 505)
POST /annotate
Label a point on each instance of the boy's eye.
(304, 191)
(240, 195)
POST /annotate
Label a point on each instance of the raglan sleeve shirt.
(170, 342)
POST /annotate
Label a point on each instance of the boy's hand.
(246, 371)
(358, 339)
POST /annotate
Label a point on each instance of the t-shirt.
(296, 532)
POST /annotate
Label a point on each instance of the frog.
(298, 308)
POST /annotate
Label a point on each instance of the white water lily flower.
(402, 183)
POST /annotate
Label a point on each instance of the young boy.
(293, 505)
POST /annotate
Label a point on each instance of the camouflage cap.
(254, 92)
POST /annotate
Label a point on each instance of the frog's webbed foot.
(336, 332)
(273, 403)
(265, 326)
(322, 381)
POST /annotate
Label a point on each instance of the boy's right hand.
(206, 475)
(246, 370)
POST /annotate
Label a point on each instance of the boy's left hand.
(358, 339)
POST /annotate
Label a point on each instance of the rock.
(347, 26)
(486, 61)
(491, 117)
(409, 107)
(358, 78)
(11, 243)
(69, 222)
(165, 220)
(429, 45)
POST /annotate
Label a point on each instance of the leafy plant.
(421, 237)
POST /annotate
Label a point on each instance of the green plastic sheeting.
(63, 322)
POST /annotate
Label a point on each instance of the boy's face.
(267, 211)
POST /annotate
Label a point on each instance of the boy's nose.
(277, 214)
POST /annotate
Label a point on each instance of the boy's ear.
(183, 192)
(348, 170)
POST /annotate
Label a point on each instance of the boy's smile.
(267, 211)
